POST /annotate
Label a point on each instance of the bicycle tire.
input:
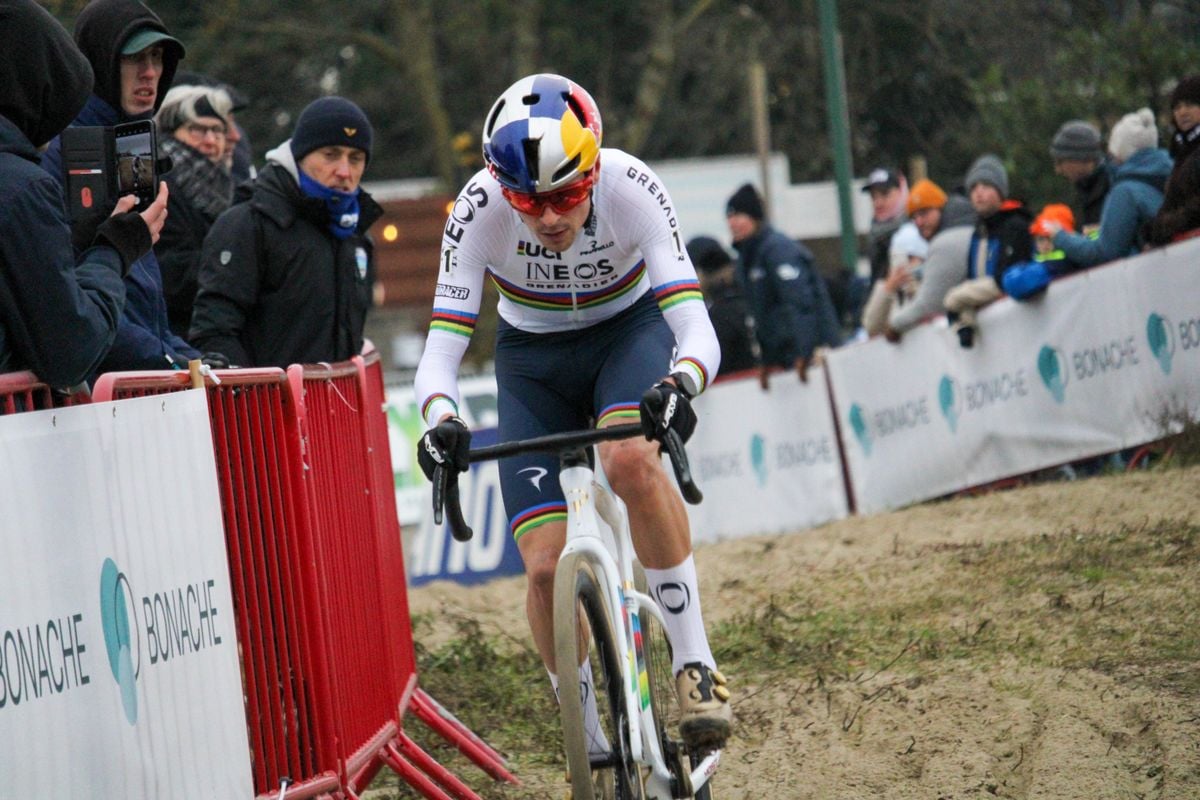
(660, 679)
(581, 614)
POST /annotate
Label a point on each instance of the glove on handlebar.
(663, 407)
(447, 444)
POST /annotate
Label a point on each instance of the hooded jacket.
(144, 339)
(1007, 238)
(57, 316)
(1133, 200)
(276, 287)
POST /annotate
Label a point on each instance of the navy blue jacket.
(144, 338)
(58, 315)
(788, 300)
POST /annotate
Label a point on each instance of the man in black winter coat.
(58, 313)
(793, 314)
(286, 274)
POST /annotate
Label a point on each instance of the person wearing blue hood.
(1134, 198)
(286, 274)
(59, 311)
(134, 59)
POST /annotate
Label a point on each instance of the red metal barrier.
(317, 566)
(24, 391)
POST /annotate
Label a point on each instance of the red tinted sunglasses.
(561, 201)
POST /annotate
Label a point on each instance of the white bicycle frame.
(609, 548)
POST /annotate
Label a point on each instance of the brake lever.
(459, 528)
(683, 472)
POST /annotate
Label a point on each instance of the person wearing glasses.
(286, 274)
(134, 59)
(193, 122)
(601, 321)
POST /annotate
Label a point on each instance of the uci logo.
(950, 401)
(1161, 339)
(117, 612)
(1052, 367)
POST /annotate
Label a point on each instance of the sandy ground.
(1050, 733)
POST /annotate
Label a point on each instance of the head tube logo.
(950, 401)
(758, 458)
(117, 610)
(1055, 375)
(1161, 339)
(862, 431)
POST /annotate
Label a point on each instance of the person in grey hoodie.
(1135, 197)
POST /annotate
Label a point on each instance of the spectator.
(1001, 238)
(239, 155)
(1133, 200)
(906, 254)
(134, 59)
(946, 222)
(286, 273)
(1078, 155)
(1026, 280)
(726, 304)
(192, 124)
(788, 301)
(889, 194)
(1180, 210)
(58, 313)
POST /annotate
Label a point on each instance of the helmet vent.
(531, 158)
(531, 99)
(490, 127)
(576, 108)
(566, 169)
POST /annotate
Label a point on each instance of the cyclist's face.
(557, 230)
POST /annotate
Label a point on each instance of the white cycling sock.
(597, 741)
(677, 593)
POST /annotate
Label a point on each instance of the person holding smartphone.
(59, 312)
(134, 59)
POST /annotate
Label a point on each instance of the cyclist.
(598, 303)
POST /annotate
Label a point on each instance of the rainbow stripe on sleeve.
(433, 398)
(670, 294)
(448, 320)
(530, 518)
(701, 372)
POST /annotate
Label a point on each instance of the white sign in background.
(1096, 365)
(117, 636)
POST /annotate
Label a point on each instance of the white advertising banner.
(767, 462)
(1103, 361)
(119, 674)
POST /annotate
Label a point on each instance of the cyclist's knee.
(540, 554)
(631, 465)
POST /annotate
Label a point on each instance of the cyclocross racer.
(599, 302)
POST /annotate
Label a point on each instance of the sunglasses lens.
(561, 201)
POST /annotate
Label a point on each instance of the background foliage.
(940, 79)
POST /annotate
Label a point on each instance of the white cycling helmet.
(542, 134)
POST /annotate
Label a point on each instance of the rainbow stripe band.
(671, 294)
(618, 411)
(697, 367)
(459, 323)
(531, 518)
(565, 301)
(433, 398)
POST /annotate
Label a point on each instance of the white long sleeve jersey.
(631, 245)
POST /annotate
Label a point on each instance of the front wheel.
(599, 758)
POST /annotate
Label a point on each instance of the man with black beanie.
(793, 314)
(1078, 153)
(286, 275)
(134, 59)
(58, 312)
(725, 303)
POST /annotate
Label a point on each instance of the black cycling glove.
(665, 407)
(447, 444)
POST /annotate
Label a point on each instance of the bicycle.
(601, 604)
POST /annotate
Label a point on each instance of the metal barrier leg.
(432, 713)
(405, 747)
(414, 777)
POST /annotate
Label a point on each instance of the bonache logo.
(949, 401)
(1161, 339)
(858, 423)
(117, 608)
(758, 458)
(1053, 369)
